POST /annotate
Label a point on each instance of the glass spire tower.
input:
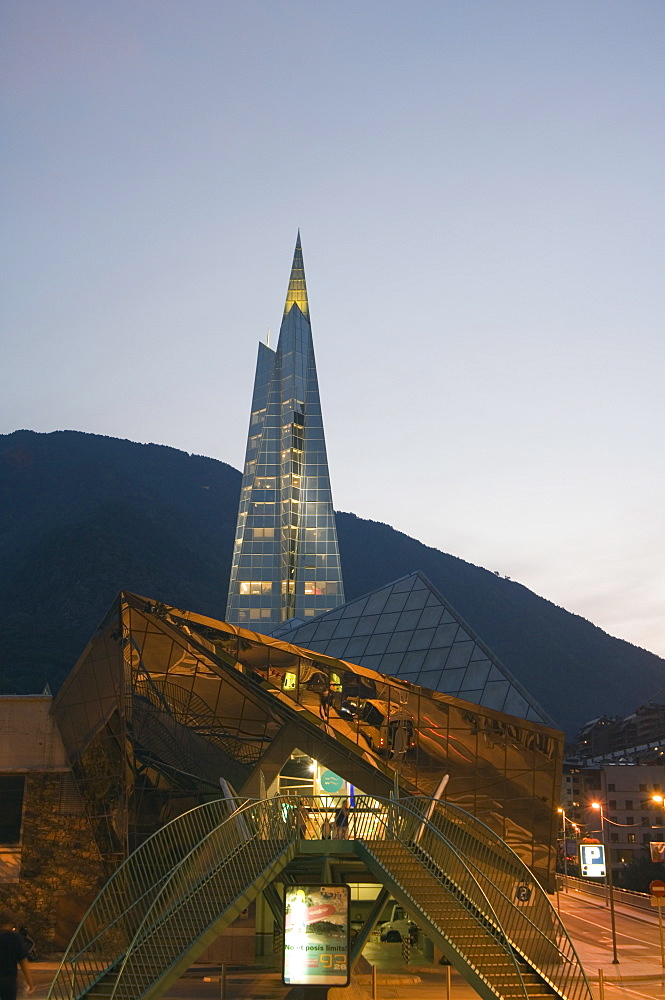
(285, 558)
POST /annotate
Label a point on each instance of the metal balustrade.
(179, 890)
(120, 908)
(533, 926)
(624, 897)
(191, 711)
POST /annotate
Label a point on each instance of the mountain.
(84, 516)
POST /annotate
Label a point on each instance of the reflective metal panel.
(165, 703)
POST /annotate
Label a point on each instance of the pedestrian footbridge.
(468, 891)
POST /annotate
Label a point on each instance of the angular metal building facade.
(164, 702)
(285, 558)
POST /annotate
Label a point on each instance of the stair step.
(451, 912)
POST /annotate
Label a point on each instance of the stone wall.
(61, 869)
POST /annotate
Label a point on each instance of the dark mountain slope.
(82, 516)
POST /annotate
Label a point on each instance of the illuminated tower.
(285, 558)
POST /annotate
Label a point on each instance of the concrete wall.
(29, 737)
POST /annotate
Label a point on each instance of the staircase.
(165, 948)
(477, 949)
(147, 927)
(190, 880)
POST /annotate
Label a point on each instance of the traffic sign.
(523, 892)
(592, 860)
(657, 888)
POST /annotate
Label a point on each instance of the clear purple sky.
(480, 188)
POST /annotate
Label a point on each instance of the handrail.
(532, 925)
(406, 826)
(625, 897)
(186, 881)
(163, 897)
(99, 933)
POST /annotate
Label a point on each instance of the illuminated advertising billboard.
(316, 935)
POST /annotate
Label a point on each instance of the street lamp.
(565, 852)
(658, 799)
(608, 879)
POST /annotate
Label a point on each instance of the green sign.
(331, 782)
(316, 935)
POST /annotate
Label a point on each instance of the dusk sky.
(479, 186)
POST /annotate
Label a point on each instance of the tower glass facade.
(285, 559)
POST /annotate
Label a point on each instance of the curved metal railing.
(176, 888)
(222, 867)
(464, 917)
(526, 915)
(120, 908)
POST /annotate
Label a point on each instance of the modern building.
(166, 711)
(407, 629)
(633, 817)
(165, 702)
(285, 557)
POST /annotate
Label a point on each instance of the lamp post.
(565, 852)
(609, 881)
(658, 799)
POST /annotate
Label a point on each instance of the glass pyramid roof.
(408, 630)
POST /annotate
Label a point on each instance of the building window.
(612, 803)
(629, 803)
(643, 788)
(646, 821)
(611, 788)
(11, 795)
(255, 587)
(631, 838)
(255, 613)
(614, 837)
(646, 838)
(319, 587)
(630, 820)
(263, 533)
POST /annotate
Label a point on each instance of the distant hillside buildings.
(634, 738)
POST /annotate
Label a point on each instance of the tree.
(639, 873)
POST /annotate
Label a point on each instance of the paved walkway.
(639, 975)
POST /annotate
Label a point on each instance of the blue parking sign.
(592, 861)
